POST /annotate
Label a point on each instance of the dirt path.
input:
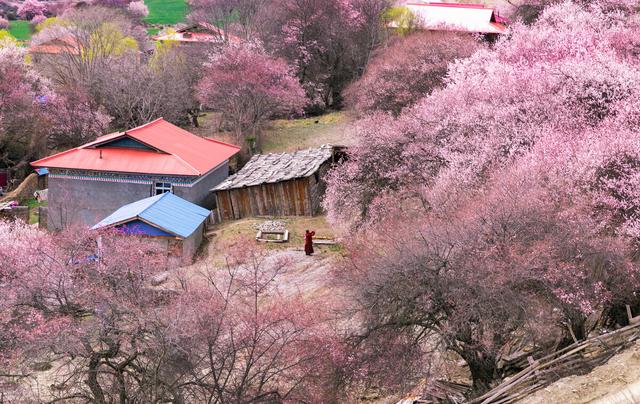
(306, 275)
(617, 381)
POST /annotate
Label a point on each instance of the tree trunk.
(483, 369)
(194, 118)
(92, 380)
(122, 387)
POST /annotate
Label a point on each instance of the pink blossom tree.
(76, 119)
(87, 300)
(478, 270)
(511, 190)
(38, 19)
(78, 296)
(138, 8)
(23, 119)
(31, 8)
(248, 86)
(34, 119)
(245, 338)
(495, 107)
(406, 70)
(328, 42)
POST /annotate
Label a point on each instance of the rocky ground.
(617, 381)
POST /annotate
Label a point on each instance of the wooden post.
(632, 320)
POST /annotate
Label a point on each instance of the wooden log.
(632, 320)
(558, 357)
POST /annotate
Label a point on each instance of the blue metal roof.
(167, 212)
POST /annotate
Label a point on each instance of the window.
(161, 188)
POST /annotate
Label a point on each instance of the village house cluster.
(163, 182)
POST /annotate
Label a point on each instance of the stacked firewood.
(578, 358)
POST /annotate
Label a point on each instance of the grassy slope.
(21, 30)
(231, 230)
(288, 135)
(166, 12)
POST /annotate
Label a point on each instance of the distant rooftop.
(473, 18)
(198, 33)
(277, 167)
(56, 46)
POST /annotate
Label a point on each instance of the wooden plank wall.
(287, 198)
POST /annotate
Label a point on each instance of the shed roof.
(277, 167)
(169, 150)
(166, 212)
(458, 17)
(66, 44)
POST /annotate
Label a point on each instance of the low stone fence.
(16, 212)
(43, 215)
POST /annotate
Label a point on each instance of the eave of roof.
(277, 167)
(179, 152)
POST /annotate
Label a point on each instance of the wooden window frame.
(161, 186)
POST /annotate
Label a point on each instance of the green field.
(166, 12)
(21, 30)
(161, 12)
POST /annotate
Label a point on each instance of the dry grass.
(228, 231)
(284, 135)
(290, 135)
(307, 275)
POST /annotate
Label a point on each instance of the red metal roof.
(179, 152)
(56, 46)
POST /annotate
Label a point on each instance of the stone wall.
(43, 215)
(191, 244)
(80, 202)
(17, 212)
(200, 192)
(74, 202)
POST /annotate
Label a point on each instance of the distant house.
(176, 224)
(278, 184)
(91, 181)
(56, 46)
(472, 18)
(202, 33)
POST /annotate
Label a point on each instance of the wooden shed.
(277, 184)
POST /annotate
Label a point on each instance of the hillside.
(284, 135)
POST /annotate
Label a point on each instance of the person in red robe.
(308, 241)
